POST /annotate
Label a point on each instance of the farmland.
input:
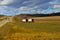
(43, 28)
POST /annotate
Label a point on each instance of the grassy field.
(2, 18)
(43, 28)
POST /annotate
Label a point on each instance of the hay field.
(43, 28)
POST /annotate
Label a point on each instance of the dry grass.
(23, 33)
(41, 29)
(33, 36)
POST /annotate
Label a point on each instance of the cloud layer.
(15, 7)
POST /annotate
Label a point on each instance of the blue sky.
(15, 7)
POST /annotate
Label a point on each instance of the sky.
(16, 7)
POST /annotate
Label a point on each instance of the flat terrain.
(43, 28)
(2, 18)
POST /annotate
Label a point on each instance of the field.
(43, 28)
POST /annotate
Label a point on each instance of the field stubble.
(41, 29)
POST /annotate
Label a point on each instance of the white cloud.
(5, 10)
(6, 2)
(26, 10)
(55, 2)
(25, 2)
(56, 6)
